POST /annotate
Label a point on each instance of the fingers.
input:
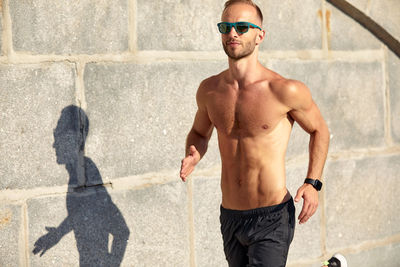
(306, 213)
(308, 210)
(186, 168)
(44, 250)
(299, 194)
(194, 154)
(183, 173)
(188, 163)
(310, 204)
(36, 250)
(192, 149)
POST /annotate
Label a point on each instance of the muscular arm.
(198, 137)
(297, 97)
(306, 113)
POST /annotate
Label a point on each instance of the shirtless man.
(253, 110)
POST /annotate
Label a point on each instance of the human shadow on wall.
(92, 216)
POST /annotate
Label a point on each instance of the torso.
(253, 129)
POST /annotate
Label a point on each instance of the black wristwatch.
(317, 184)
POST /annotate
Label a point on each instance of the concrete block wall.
(133, 67)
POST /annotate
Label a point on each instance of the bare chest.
(245, 113)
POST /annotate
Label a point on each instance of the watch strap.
(317, 184)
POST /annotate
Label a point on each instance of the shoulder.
(208, 86)
(291, 93)
(212, 82)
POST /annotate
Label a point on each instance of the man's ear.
(260, 37)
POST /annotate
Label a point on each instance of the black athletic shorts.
(258, 237)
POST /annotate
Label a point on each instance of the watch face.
(318, 185)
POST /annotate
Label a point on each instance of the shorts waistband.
(257, 211)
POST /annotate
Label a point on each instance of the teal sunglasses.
(240, 27)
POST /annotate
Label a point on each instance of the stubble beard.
(247, 49)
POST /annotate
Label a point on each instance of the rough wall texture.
(100, 184)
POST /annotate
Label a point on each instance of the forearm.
(65, 227)
(198, 140)
(318, 151)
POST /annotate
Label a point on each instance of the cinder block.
(1, 30)
(361, 196)
(70, 27)
(298, 142)
(291, 24)
(381, 256)
(342, 93)
(344, 33)
(158, 221)
(206, 206)
(32, 98)
(386, 14)
(178, 25)
(394, 85)
(361, 5)
(170, 19)
(140, 115)
(10, 227)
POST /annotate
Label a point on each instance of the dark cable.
(369, 24)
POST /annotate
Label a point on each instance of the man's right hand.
(47, 241)
(189, 162)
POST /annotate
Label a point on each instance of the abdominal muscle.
(253, 168)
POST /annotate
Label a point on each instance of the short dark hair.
(248, 2)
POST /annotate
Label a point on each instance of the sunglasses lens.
(223, 28)
(242, 27)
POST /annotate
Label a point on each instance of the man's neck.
(245, 70)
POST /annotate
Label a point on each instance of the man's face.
(237, 45)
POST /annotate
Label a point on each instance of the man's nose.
(233, 32)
